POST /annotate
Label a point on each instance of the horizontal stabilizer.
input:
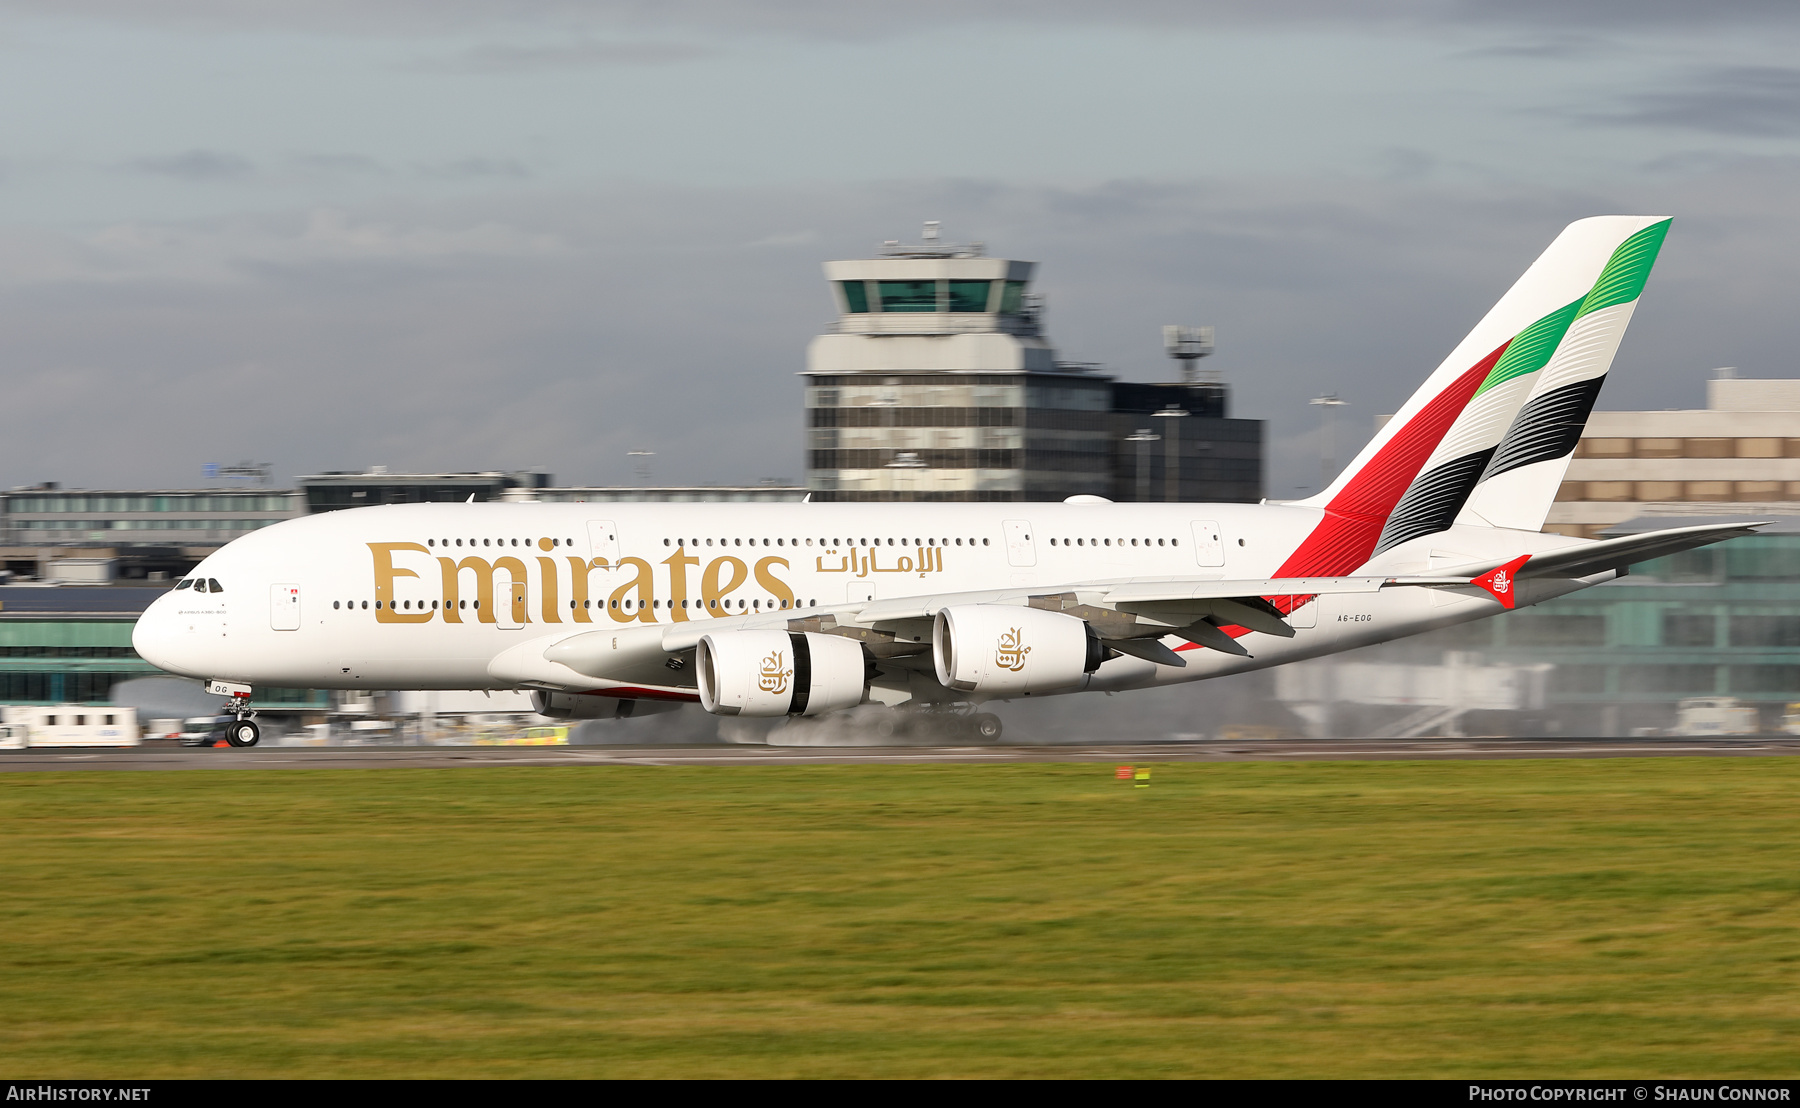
(1597, 557)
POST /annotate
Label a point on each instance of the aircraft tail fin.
(1420, 471)
(1519, 481)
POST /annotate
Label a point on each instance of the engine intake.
(1002, 650)
(778, 673)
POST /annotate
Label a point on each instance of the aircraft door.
(509, 605)
(1209, 545)
(603, 538)
(1020, 550)
(284, 607)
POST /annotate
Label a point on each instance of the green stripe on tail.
(1622, 281)
(1531, 348)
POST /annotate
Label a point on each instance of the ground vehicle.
(1790, 719)
(73, 725)
(1715, 715)
(212, 730)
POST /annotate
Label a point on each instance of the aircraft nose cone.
(160, 639)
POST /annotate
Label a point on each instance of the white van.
(73, 725)
(1715, 715)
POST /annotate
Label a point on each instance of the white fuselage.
(426, 596)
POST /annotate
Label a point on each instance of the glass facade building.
(71, 645)
(1721, 621)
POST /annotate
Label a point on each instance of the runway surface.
(173, 758)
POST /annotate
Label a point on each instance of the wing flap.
(1196, 589)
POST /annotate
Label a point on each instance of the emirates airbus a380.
(803, 609)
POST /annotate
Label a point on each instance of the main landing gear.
(949, 725)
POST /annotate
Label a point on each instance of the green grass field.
(1566, 918)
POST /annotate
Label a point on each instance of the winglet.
(1500, 581)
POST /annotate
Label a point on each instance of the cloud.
(196, 165)
(468, 169)
(1405, 163)
(1755, 100)
(784, 240)
(840, 18)
(217, 254)
(497, 58)
(1543, 47)
(511, 329)
(338, 164)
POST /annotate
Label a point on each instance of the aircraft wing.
(1129, 615)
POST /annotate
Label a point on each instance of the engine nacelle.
(560, 705)
(1003, 650)
(778, 673)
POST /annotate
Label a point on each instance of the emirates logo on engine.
(1010, 651)
(772, 678)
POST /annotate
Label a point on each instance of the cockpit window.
(199, 584)
(184, 583)
(214, 582)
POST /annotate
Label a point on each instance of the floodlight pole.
(1144, 437)
(641, 463)
(1328, 406)
(1171, 453)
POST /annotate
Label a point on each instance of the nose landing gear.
(242, 731)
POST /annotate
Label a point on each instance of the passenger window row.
(541, 544)
(1113, 542)
(758, 604)
(824, 542)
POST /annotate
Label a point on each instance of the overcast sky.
(504, 233)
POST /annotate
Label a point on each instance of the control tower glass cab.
(934, 296)
(936, 383)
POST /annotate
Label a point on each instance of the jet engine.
(778, 673)
(1002, 650)
(559, 705)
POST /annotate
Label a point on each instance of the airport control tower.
(936, 383)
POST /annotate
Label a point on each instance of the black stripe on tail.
(1433, 500)
(1546, 428)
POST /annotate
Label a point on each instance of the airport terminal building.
(83, 564)
(936, 382)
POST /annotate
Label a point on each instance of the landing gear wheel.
(986, 726)
(243, 733)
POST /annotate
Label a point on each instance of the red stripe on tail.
(1346, 537)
